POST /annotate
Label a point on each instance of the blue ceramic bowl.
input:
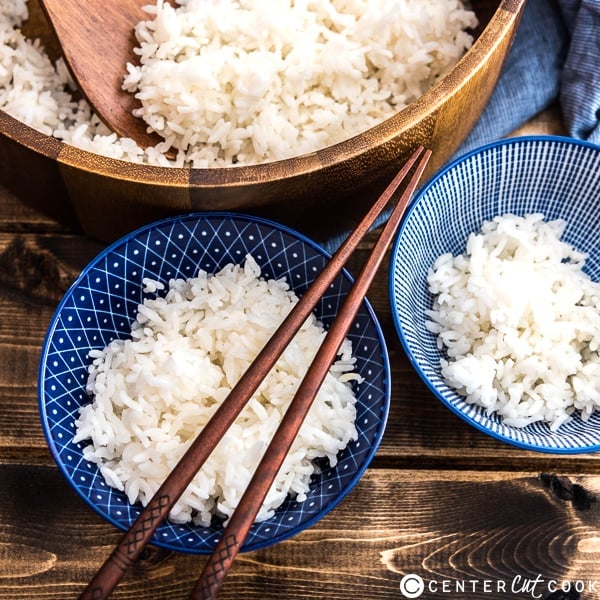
(102, 303)
(556, 176)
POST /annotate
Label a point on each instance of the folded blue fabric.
(530, 78)
(580, 78)
(555, 56)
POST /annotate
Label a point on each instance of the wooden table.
(440, 500)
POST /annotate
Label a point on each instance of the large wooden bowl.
(320, 193)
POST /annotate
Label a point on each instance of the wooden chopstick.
(243, 517)
(136, 538)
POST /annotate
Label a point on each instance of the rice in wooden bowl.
(107, 196)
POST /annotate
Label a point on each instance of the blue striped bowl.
(102, 303)
(556, 176)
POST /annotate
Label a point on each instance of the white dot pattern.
(100, 306)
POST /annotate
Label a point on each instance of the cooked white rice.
(243, 82)
(153, 393)
(519, 322)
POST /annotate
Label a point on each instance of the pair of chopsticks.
(236, 531)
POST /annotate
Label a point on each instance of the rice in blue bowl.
(495, 295)
(133, 339)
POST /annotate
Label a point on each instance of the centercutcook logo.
(414, 586)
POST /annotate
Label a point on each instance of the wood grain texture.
(474, 518)
(105, 28)
(443, 526)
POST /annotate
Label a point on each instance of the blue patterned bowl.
(556, 176)
(102, 303)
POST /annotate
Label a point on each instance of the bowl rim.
(418, 198)
(195, 215)
(500, 23)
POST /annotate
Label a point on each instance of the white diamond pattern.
(100, 306)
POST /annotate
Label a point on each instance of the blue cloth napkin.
(555, 56)
(530, 78)
(580, 79)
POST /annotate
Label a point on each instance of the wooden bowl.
(320, 193)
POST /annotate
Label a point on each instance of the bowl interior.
(100, 306)
(555, 176)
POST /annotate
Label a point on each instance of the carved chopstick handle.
(126, 552)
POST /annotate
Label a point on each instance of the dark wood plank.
(17, 216)
(497, 527)
(35, 271)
